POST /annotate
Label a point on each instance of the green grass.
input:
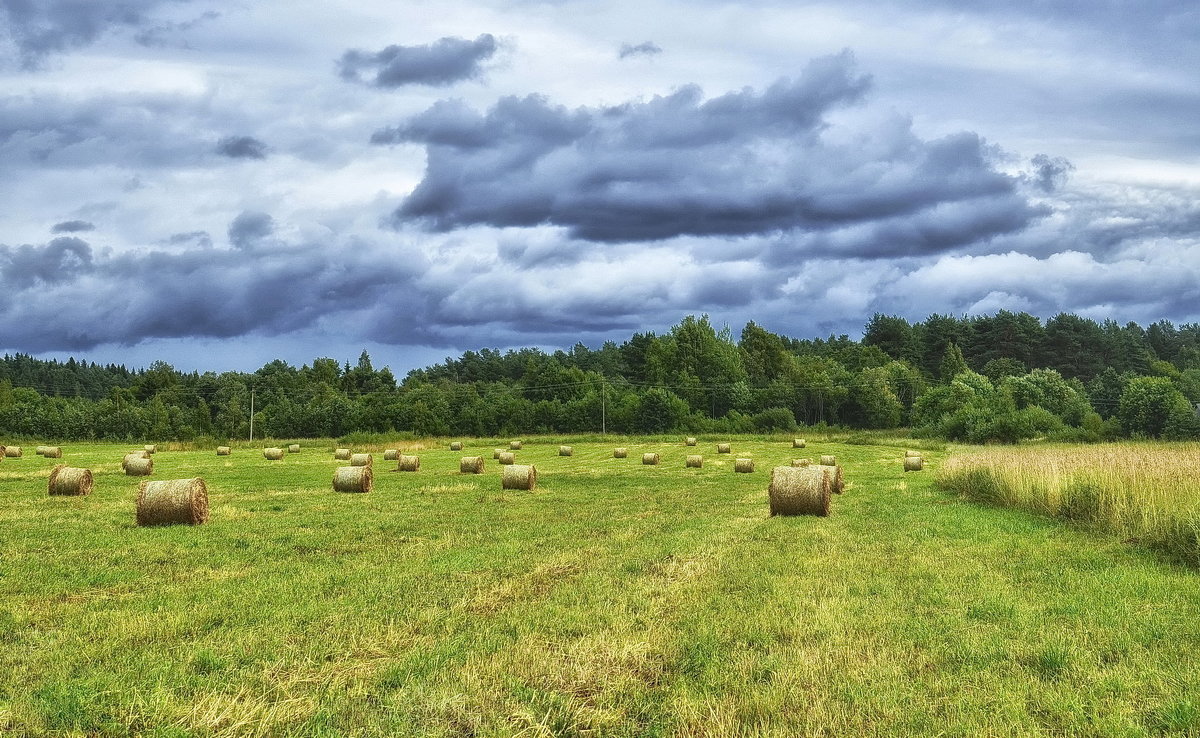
(617, 599)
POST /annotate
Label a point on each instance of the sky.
(220, 184)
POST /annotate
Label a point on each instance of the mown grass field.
(616, 600)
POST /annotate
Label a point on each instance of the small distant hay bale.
(651, 459)
(224, 451)
(911, 454)
(342, 454)
(391, 454)
(799, 443)
(41, 450)
(695, 461)
(273, 454)
(514, 445)
(836, 480)
(151, 448)
(800, 490)
(507, 457)
(408, 463)
(801, 462)
(172, 502)
(456, 446)
(353, 479)
(136, 467)
(723, 448)
(519, 476)
(743, 466)
(293, 448)
(67, 480)
(470, 465)
(566, 451)
(913, 463)
(828, 461)
(361, 460)
(496, 452)
(12, 452)
(689, 441)
(52, 452)
(620, 453)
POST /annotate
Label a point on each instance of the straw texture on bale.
(689, 441)
(566, 451)
(519, 476)
(172, 502)
(723, 448)
(224, 450)
(293, 448)
(800, 490)
(361, 460)
(12, 452)
(695, 461)
(650, 459)
(408, 463)
(136, 467)
(798, 443)
(342, 454)
(151, 448)
(743, 466)
(514, 445)
(496, 452)
(913, 463)
(391, 454)
(274, 454)
(620, 453)
(836, 482)
(801, 462)
(470, 465)
(67, 480)
(52, 452)
(507, 457)
(911, 454)
(3, 452)
(138, 454)
(828, 461)
(456, 446)
(353, 479)
(40, 450)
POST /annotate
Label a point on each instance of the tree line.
(1002, 377)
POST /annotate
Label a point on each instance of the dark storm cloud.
(646, 48)
(242, 147)
(744, 163)
(444, 62)
(39, 28)
(199, 238)
(250, 227)
(72, 226)
(1049, 173)
(60, 260)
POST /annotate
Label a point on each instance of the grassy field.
(615, 600)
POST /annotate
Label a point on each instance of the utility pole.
(251, 415)
(603, 409)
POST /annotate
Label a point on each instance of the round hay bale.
(67, 480)
(341, 454)
(273, 454)
(470, 465)
(689, 441)
(172, 501)
(723, 448)
(133, 457)
(136, 467)
(52, 452)
(456, 446)
(913, 463)
(519, 476)
(391, 454)
(828, 461)
(3, 452)
(224, 450)
(743, 466)
(353, 479)
(507, 457)
(620, 453)
(361, 460)
(695, 461)
(801, 462)
(496, 453)
(151, 448)
(566, 451)
(293, 448)
(408, 463)
(911, 454)
(800, 490)
(41, 450)
(12, 452)
(798, 443)
(514, 445)
(836, 481)
(651, 459)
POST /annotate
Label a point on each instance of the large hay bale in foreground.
(361, 460)
(408, 463)
(391, 454)
(341, 454)
(837, 484)
(456, 446)
(911, 454)
(137, 466)
(913, 463)
(689, 441)
(695, 461)
(470, 465)
(799, 443)
(12, 452)
(293, 448)
(801, 462)
(651, 459)
(514, 445)
(566, 451)
(52, 452)
(172, 502)
(151, 448)
(507, 457)
(723, 448)
(620, 453)
(353, 479)
(743, 466)
(828, 461)
(273, 454)
(519, 476)
(224, 451)
(800, 490)
(67, 480)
